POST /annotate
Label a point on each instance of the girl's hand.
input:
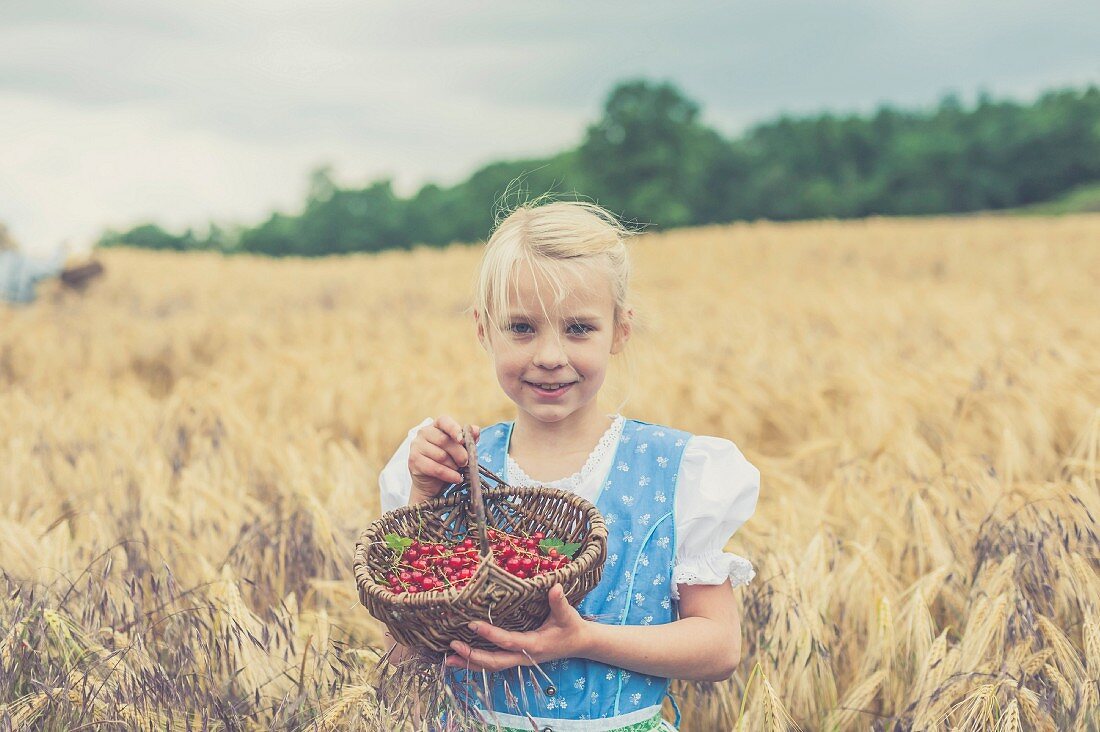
(435, 455)
(563, 635)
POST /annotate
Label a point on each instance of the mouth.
(550, 389)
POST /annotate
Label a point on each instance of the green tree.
(150, 236)
(649, 157)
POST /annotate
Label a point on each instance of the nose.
(550, 354)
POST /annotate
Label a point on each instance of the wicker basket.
(430, 621)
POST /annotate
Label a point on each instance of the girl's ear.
(623, 331)
(480, 329)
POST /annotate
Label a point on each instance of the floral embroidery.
(612, 559)
(610, 676)
(662, 461)
(635, 698)
(579, 683)
(643, 481)
(639, 598)
(610, 518)
(663, 542)
(666, 603)
(647, 620)
(643, 560)
(659, 433)
(628, 537)
(660, 497)
(680, 442)
(624, 467)
(642, 447)
(659, 579)
(644, 519)
(627, 500)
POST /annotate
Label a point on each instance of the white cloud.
(69, 170)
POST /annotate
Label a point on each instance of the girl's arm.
(703, 645)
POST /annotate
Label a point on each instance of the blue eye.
(580, 329)
(517, 328)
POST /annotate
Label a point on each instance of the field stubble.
(188, 452)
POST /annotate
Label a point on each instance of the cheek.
(594, 354)
(509, 364)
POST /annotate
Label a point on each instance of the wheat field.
(189, 450)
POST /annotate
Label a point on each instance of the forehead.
(579, 289)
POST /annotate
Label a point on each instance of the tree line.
(650, 159)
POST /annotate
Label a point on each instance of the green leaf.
(547, 544)
(398, 543)
(567, 550)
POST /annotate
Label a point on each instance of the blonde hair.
(551, 238)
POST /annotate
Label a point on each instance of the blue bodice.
(636, 500)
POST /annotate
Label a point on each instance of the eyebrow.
(572, 318)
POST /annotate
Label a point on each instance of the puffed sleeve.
(395, 481)
(716, 493)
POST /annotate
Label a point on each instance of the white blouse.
(716, 493)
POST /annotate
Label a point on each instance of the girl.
(551, 309)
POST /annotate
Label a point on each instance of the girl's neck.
(569, 437)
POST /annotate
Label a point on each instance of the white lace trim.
(609, 439)
(712, 570)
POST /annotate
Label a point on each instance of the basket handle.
(491, 475)
(475, 489)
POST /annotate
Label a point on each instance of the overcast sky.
(112, 113)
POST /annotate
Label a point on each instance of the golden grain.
(188, 452)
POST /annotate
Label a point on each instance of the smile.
(550, 390)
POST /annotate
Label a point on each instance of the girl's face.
(566, 348)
